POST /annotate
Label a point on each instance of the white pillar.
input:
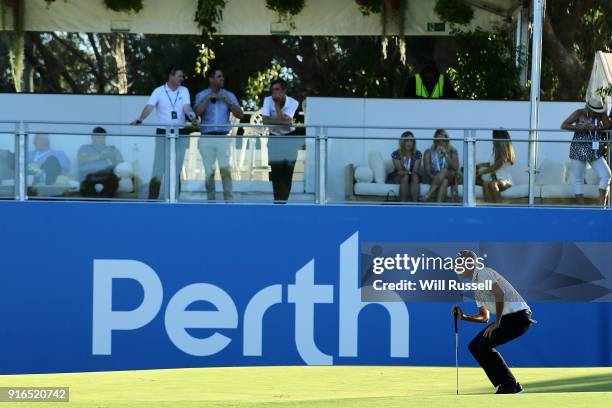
(536, 67)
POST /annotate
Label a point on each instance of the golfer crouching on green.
(512, 319)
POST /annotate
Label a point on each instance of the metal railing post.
(321, 140)
(21, 177)
(466, 168)
(532, 168)
(469, 189)
(171, 137)
(608, 202)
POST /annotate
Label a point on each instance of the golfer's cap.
(595, 103)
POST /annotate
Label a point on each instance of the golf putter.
(456, 348)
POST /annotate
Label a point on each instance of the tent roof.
(245, 17)
(601, 75)
(500, 7)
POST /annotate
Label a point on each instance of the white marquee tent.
(601, 75)
(245, 17)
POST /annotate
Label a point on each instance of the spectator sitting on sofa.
(97, 163)
(441, 165)
(406, 163)
(47, 163)
(495, 175)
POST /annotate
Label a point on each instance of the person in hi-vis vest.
(430, 83)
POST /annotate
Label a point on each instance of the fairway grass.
(314, 387)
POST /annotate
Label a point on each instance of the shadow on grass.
(587, 383)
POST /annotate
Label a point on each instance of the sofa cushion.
(364, 174)
(550, 172)
(520, 175)
(519, 191)
(377, 164)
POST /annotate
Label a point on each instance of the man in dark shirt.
(97, 163)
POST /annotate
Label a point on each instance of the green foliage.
(454, 11)
(286, 8)
(124, 5)
(368, 7)
(486, 67)
(205, 58)
(119, 5)
(16, 58)
(605, 92)
(550, 81)
(15, 40)
(208, 14)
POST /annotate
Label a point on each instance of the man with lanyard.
(279, 109)
(214, 106)
(512, 319)
(172, 102)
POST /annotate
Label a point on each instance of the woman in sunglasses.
(441, 165)
(406, 163)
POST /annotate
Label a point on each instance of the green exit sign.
(436, 27)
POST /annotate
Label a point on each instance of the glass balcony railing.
(315, 164)
(8, 169)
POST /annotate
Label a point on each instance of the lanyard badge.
(595, 135)
(173, 104)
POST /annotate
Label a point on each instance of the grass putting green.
(314, 387)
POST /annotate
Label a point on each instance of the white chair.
(247, 162)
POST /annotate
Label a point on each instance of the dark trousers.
(482, 348)
(106, 178)
(282, 155)
(52, 169)
(159, 161)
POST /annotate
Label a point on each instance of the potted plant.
(208, 14)
(286, 8)
(124, 5)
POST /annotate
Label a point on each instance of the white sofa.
(555, 180)
(366, 182)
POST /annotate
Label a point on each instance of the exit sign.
(436, 27)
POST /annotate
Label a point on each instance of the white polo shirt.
(291, 106)
(166, 100)
(513, 302)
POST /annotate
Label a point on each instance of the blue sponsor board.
(109, 286)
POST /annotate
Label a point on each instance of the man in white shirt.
(512, 319)
(171, 102)
(279, 111)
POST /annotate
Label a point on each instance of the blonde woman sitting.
(441, 166)
(495, 175)
(406, 163)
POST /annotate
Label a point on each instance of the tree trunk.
(15, 43)
(118, 52)
(571, 69)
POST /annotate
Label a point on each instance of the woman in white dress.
(496, 175)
